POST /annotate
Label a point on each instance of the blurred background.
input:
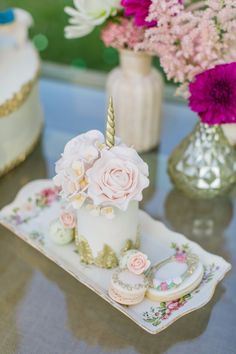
(48, 36)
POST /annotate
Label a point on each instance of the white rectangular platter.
(37, 204)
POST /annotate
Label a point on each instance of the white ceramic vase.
(101, 240)
(137, 90)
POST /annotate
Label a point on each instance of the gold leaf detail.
(17, 100)
(106, 258)
(137, 242)
(128, 246)
(21, 157)
(84, 250)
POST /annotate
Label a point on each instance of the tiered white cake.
(20, 112)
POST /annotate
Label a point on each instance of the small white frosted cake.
(102, 183)
(20, 110)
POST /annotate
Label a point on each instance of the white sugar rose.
(68, 182)
(78, 156)
(117, 178)
(84, 147)
(88, 14)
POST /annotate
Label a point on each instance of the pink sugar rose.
(138, 263)
(117, 178)
(129, 154)
(68, 219)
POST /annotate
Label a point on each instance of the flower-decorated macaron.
(129, 282)
(62, 230)
(127, 288)
(135, 261)
(138, 263)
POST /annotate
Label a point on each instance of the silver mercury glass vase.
(204, 164)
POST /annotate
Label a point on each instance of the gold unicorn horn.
(110, 128)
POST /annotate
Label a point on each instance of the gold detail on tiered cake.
(110, 128)
(21, 157)
(106, 258)
(129, 245)
(138, 238)
(13, 104)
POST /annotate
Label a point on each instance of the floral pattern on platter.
(155, 315)
(37, 236)
(33, 205)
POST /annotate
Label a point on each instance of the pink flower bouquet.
(197, 48)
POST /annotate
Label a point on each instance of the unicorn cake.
(20, 111)
(101, 182)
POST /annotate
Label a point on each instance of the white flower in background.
(88, 14)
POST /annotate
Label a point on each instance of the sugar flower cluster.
(197, 48)
(191, 40)
(89, 171)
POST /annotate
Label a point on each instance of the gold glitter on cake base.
(13, 104)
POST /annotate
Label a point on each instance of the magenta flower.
(139, 9)
(213, 94)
